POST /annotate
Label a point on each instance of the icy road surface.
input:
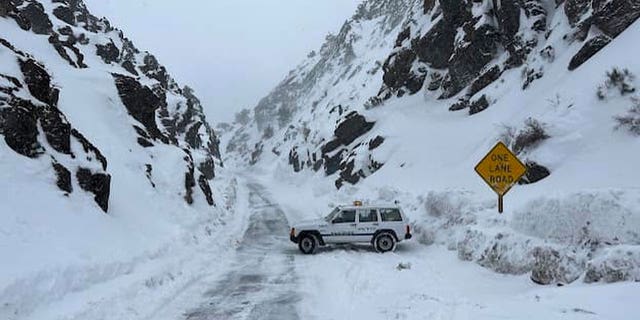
(262, 283)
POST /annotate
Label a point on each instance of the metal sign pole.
(500, 204)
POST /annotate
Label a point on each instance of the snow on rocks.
(78, 143)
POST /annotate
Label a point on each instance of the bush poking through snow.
(619, 264)
(526, 138)
(553, 267)
(617, 79)
(630, 121)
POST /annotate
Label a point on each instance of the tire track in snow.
(262, 283)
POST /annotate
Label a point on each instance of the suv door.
(368, 223)
(342, 227)
(392, 218)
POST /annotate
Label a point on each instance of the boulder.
(535, 173)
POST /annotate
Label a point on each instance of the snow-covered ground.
(250, 270)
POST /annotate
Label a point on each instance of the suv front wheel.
(307, 244)
(384, 242)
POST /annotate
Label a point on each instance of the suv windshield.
(331, 215)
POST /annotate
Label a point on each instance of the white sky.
(232, 52)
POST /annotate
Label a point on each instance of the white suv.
(382, 226)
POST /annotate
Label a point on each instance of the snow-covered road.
(262, 281)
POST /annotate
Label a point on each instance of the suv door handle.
(353, 224)
(376, 224)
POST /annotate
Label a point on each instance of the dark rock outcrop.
(587, 51)
(615, 16)
(108, 52)
(484, 80)
(71, 30)
(436, 47)
(206, 189)
(535, 173)
(19, 125)
(376, 142)
(142, 103)
(38, 19)
(65, 14)
(97, 183)
(63, 177)
(353, 126)
(479, 105)
(29, 111)
(39, 82)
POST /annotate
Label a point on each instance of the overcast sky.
(232, 52)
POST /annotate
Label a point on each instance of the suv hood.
(314, 223)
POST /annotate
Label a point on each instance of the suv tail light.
(293, 231)
(408, 229)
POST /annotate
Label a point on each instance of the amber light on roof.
(357, 203)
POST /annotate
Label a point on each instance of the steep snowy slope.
(104, 159)
(410, 95)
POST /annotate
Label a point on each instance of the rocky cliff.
(460, 53)
(60, 60)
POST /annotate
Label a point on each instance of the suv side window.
(346, 216)
(368, 215)
(390, 215)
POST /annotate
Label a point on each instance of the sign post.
(501, 169)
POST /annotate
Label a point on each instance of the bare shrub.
(526, 138)
(622, 80)
(630, 121)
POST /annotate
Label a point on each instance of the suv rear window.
(369, 215)
(390, 215)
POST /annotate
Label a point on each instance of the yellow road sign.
(501, 169)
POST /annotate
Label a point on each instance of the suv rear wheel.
(384, 242)
(307, 244)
